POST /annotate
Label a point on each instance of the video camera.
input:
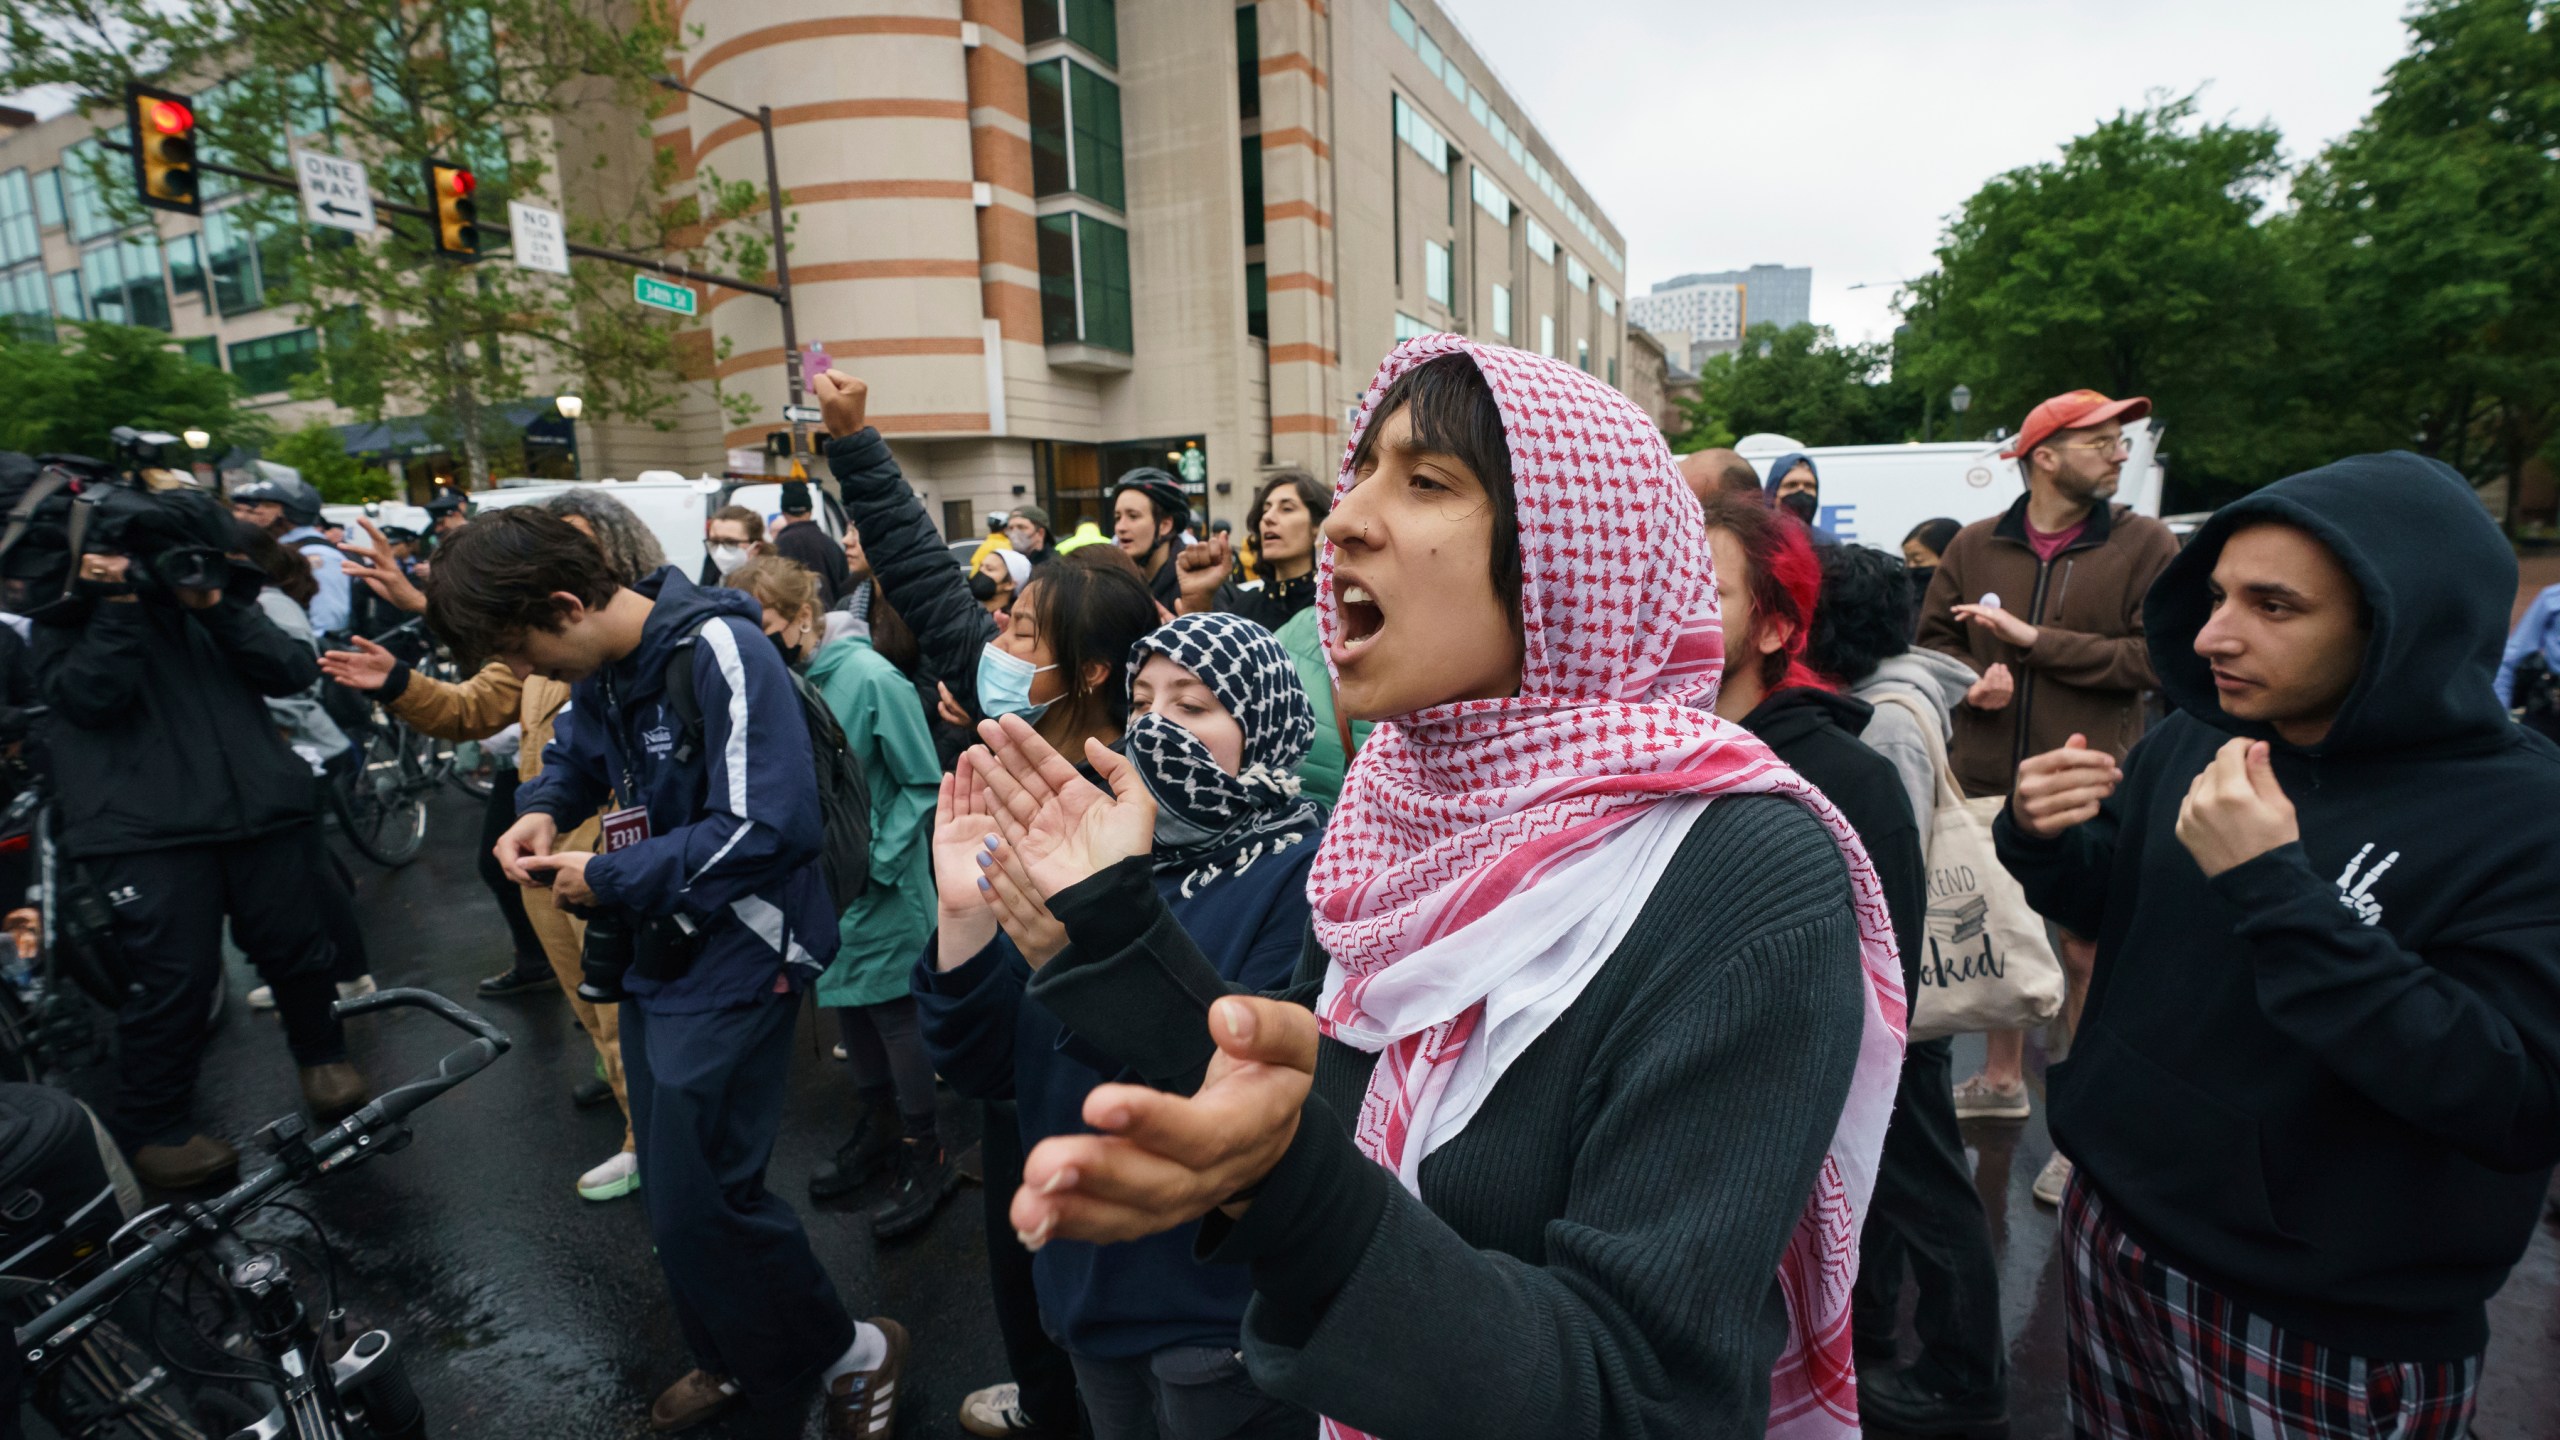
(62, 507)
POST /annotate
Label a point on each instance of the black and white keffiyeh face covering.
(1210, 823)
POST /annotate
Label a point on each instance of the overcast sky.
(1841, 133)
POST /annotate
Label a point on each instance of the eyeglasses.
(2121, 445)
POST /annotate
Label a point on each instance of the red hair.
(1783, 578)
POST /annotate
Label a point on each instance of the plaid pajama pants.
(2155, 1355)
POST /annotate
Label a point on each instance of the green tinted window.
(203, 350)
(1253, 189)
(1075, 134)
(1093, 109)
(25, 309)
(1084, 282)
(124, 283)
(82, 203)
(1106, 284)
(272, 362)
(1089, 23)
(18, 241)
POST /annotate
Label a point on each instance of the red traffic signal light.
(160, 126)
(457, 229)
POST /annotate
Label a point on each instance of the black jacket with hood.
(2327, 1081)
(159, 734)
(1816, 733)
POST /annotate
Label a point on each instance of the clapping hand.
(1063, 828)
(1162, 1160)
(373, 565)
(1007, 886)
(962, 832)
(1202, 569)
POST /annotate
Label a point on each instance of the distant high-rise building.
(1713, 310)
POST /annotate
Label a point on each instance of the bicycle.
(378, 788)
(363, 1393)
(56, 989)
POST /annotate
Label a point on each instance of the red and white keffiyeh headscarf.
(1537, 815)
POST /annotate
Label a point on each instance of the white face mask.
(728, 557)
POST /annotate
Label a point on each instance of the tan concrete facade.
(906, 139)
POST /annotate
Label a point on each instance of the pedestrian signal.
(162, 128)
(457, 229)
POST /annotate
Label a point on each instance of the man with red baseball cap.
(2044, 601)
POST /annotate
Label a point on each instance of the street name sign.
(335, 192)
(665, 295)
(541, 242)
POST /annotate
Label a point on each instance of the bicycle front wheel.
(382, 807)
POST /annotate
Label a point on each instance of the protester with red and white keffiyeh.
(1609, 1006)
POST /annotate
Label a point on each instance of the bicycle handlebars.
(351, 1140)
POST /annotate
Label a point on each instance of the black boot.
(875, 1140)
(925, 1179)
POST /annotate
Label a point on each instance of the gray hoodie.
(1938, 682)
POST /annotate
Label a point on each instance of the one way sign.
(336, 193)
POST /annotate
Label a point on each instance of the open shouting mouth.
(1359, 620)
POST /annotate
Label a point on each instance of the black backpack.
(844, 796)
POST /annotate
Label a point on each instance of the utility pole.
(763, 116)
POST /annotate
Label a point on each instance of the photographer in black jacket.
(181, 800)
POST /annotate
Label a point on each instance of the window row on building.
(1438, 62)
(1078, 153)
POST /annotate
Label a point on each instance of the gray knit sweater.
(1597, 1253)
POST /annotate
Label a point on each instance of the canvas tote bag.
(1985, 962)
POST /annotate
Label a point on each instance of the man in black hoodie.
(2315, 1098)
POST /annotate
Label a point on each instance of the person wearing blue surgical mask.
(1056, 658)
(1051, 664)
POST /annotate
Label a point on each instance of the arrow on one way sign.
(335, 192)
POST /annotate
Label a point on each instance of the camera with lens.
(621, 944)
(140, 450)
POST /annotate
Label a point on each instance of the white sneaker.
(1978, 1099)
(611, 1180)
(2050, 1180)
(995, 1412)
(264, 997)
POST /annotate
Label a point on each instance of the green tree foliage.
(2135, 264)
(540, 97)
(1799, 382)
(2433, 234)
(321, 456)
(65, 397)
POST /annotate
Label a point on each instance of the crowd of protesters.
(1506, 882)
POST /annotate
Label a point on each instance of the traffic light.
(457, 229)
(162, 128)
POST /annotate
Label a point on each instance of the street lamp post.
(763, 116)
(1959, 400)
(571, 406)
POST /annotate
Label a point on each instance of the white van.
(675, 509)
(1875, 494)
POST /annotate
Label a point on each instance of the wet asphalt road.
(529, 1312)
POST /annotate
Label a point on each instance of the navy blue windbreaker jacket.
(735, 832)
